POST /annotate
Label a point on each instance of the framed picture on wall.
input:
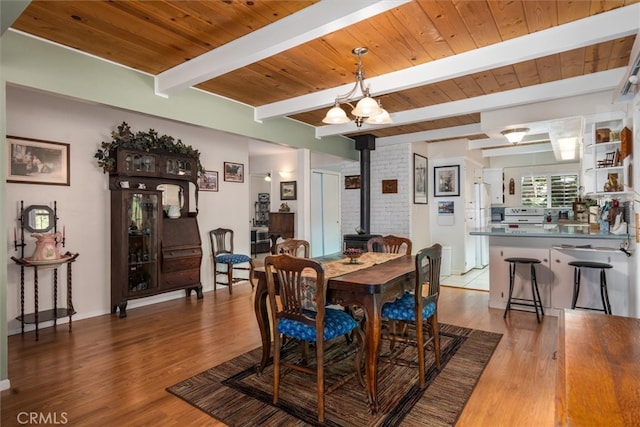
(446, 181)
(288, 190)
(233, 172)
(352, 182)
(208, 181)
(420, 196)
(34, 161)
(389, 186)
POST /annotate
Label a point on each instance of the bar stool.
(578, 265)
(535, 301)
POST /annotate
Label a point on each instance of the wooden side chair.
(414, 316)
(389, 244)
(293, 247)
(292, 320)
(223, 255)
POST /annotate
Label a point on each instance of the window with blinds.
(549, 191)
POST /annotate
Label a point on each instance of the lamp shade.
(514, 136)
(381, 119)
(335, 116)
(366, 107)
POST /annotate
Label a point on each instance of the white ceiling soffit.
(627, 89)
(431, 135)
(310, 23)
(518, 149)
(595, 29)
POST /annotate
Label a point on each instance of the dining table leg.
(262, 316)
(373, 323)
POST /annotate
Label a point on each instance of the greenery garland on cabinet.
(143, 141)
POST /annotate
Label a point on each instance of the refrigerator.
(482, 215)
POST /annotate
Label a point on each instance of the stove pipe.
(364, 144)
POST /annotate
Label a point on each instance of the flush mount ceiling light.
(515, 135)
(367, 110)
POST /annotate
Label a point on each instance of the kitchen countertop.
(564, 231)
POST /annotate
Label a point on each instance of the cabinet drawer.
(178, 264)
(170, 254)
(179, 279)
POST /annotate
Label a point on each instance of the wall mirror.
(38, 219)
(172, 195)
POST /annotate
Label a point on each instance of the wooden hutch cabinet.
(154, 248)
(281, 225)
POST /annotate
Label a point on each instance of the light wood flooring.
(113, 372)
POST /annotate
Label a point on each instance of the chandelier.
(367, 110)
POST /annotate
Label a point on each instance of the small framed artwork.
(445, 208)
(34, 161)
(446, 181)
(389, 186)
(420, 180)
(208, 181)
(233, 172)
(288, 190)
(352, 182)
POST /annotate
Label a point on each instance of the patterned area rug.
(234, 394)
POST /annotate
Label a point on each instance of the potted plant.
(125, 138)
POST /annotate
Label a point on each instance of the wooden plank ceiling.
(154, 36)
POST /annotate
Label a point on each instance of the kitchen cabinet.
(604, 168)
(499, 274)
(495, 178)
(617, 278)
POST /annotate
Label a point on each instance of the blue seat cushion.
(336, 323)
(404, 308)
(232, 258)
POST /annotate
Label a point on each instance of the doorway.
(325, 213)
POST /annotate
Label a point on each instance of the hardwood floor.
(112, 371)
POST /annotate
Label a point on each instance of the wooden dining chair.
(292, 320)
(413, 316)
(389, 244)
(223, 255)
(293, 247)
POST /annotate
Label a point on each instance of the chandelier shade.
(514, 136)
(366, 110)
(336, 116)
(366, 107)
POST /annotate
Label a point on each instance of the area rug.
(234, 394)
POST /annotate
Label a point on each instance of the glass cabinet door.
(143, 210)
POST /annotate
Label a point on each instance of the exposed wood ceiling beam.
(310, 23)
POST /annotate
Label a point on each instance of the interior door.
(325, 213)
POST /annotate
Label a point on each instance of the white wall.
(83, 207)
(390, 213)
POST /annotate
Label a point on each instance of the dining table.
(376, 279)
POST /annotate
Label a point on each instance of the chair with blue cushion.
(288, 277)
(411, 318)
(223, 255)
